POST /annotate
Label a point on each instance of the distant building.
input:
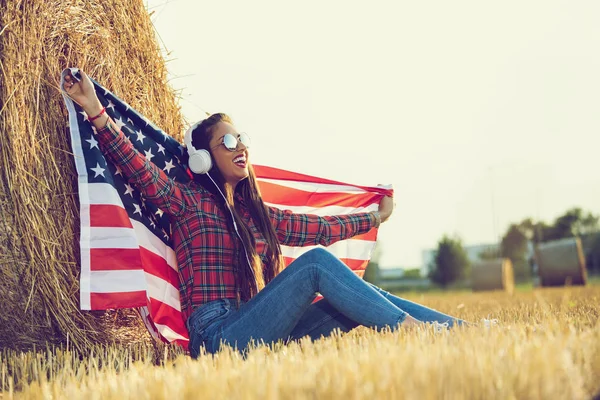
(393, 279)
(389, 273)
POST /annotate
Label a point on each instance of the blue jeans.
(284, 309)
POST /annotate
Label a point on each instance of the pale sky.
(478, 113)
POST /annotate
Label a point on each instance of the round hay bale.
(114, 42)
(495, 274)
(561, 262)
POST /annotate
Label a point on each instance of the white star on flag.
(120, 123)
(93, 143)
(168, 166)
(110, 105)
(129, 190)
(130, 121)
(85, 116)
(161, 149)
(148, 154)
(138, 210)
(140, 136)
(119, 171)
(98, 170)
(159, 212)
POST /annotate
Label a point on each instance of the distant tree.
(574, 222)
(414, 273)
(372, 271)
(451, 262)
(566, 225)
(490, 254)
(588, 223)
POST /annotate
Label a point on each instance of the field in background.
(412, 286)
(547, 345)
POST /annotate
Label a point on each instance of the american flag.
(127, 258)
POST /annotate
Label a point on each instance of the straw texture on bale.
(115, 43)
(495, 274)
(561, 262)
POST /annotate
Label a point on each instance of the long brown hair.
(250, 279)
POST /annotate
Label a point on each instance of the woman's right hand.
(82, 92)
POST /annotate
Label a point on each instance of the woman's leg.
(274, 312)
(321, 318)
(418, 311)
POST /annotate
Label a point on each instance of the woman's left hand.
(386, 207)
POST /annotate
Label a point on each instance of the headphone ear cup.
(200, 162)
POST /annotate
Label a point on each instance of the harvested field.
(547, 345)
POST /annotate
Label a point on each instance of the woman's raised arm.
(152, 182)
(309, 230)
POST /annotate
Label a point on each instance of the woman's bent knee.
(316, 260)
(322, 256)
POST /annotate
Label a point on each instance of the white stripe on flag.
(84, 211)
(118, 281)
(163, 291)
(327, 210)
(104, 194)
(86, 259)
(113, 238)
(352, 248)
(168, 333)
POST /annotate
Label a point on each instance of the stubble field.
(546, 345)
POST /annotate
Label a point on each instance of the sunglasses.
(231, 142)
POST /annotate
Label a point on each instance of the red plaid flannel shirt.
(203, 246)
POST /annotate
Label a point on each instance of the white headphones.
(199, 161)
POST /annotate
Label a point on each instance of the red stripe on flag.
(108, 216)
(286, 196)
(279, 174)
(355, 265)
(103, 301)
(114, 259)
(164, 314)
(158, 266)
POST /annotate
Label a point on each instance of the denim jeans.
(284, 309)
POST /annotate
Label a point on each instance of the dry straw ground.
(546, 346)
